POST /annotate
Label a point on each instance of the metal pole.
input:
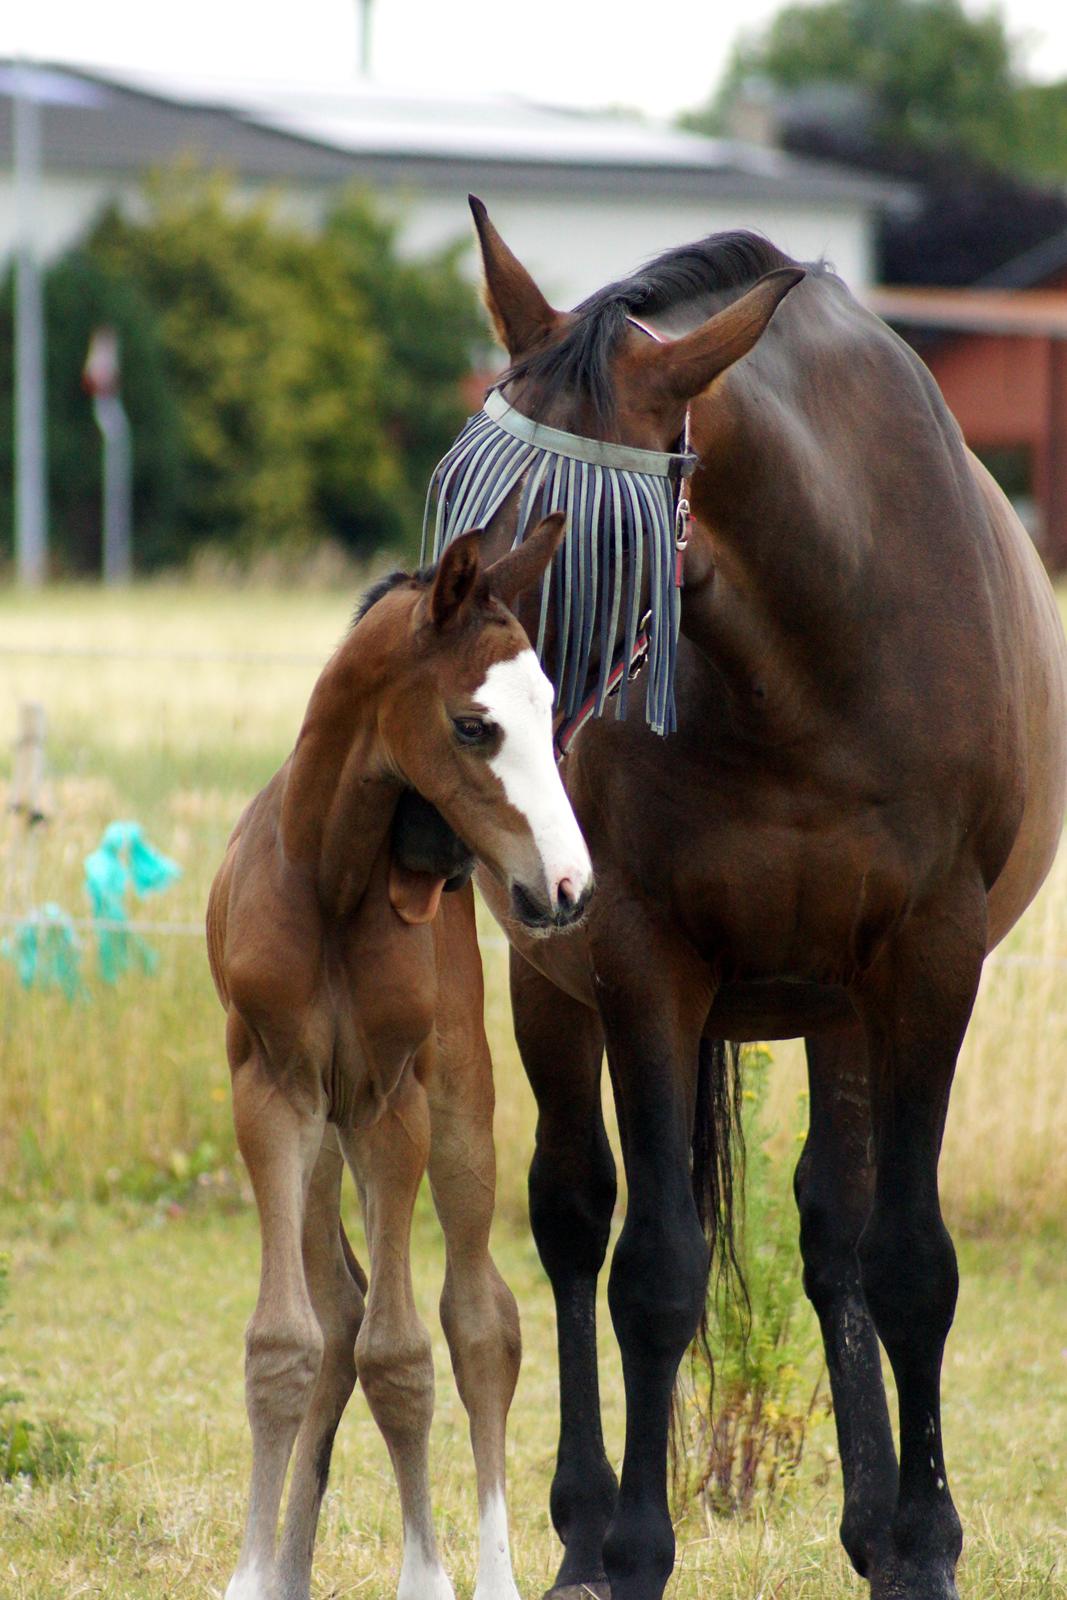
(114, 427)
(364, 37)
(31, 481)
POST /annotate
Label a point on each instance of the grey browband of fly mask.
(621, 505)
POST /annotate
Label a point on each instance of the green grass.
(127, 1318)
(130, 1328)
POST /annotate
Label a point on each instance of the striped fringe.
(617, 519)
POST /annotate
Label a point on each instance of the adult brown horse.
(353, 998)
(865, 789)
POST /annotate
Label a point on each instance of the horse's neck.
(339, 799)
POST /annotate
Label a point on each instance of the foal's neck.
(339, 796)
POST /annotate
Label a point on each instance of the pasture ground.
(134, 1251)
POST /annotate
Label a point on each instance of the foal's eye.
(472, 730)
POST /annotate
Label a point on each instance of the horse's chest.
(379, 1000)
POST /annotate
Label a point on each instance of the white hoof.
(254, 1583)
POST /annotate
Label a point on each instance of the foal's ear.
(521, 315)
(522, 567)
(682, 368)
(455, 580)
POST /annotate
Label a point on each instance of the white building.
(581, 199)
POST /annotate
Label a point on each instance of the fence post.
(26, 801)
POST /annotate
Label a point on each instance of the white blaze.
(518, 698)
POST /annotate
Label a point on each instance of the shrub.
(761, 1345)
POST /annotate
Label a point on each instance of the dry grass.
(93, 1092)
(127, 1320)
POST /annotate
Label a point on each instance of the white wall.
(571, 243)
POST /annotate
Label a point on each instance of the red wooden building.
(999, 354)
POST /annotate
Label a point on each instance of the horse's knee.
(282, 1361)
(571, 1208)
(483, 1336)
(396, 1371)
(828, 1236)
(910, 1280)
(659, 1281)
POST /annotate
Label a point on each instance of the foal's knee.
(282, 1361)
(396, 1372)
(828, 1238)
(483, 1338)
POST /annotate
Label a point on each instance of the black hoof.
(911, 1580)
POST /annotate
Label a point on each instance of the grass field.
(127, 1316)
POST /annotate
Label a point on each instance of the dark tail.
(718, 1190)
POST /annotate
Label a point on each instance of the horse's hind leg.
(393, 1354)
(834, 1183)
(337, 1298)
(915, 1005)
(283, 1344)
(572, 1197)
(478, 1310)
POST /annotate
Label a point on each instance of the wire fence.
(280, 658)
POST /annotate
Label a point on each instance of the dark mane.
(383, 586)
(581, 361)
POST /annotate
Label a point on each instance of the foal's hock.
(353, 993)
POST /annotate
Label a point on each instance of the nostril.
(566, 893)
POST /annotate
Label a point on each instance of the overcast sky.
(568, 52)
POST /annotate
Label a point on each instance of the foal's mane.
(383, 586)
(581, 361)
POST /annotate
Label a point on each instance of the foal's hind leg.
(478, 1310)
(916, 1004)
(834, 1184)
(572, 1196)
(280, 1145)
(337, 1298)
(393, 1355)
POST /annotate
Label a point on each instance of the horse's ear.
(681, 368)
(521, 315)
(521, 567)
(456, 580)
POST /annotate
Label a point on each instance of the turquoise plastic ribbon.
(46, 951)
(123, 860)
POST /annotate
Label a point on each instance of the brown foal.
(353, 994)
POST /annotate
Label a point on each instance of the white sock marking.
(495, 1580)
(422, 1577)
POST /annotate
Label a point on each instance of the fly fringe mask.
(621, 505)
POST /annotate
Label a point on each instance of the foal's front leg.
(478, 1310)
(337, 1297)
(393, 1353)
(280, 1144)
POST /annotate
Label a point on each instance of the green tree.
(79, 295)
(273, 358)
(319, 373)
(925, 73)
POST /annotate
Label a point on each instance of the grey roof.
(118, 119)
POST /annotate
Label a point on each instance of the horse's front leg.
(915, 1006)
(834, 1184)
(394, 1359)
(572, 1196)
(654, 996)
(280, 1143)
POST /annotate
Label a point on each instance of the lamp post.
(101, 377)
(31, 482)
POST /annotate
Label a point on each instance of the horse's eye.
(472, 730)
